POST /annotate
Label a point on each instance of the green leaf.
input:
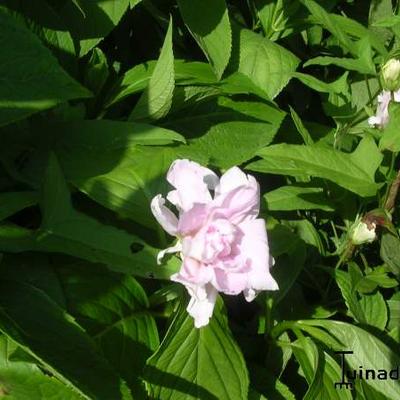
(208, 22)
(137, 78)
(46, 329)
(375, 277)
(12, 202)
(320, 370)
(354, 171)
(368, 351)
(289, 198)
(390, 252)
(33, 80)
(113, 308)
(232, 131)
(67, 231)
(194, 363)
(156, 100)
(322, 17)
(290, 254)
(308, 140)
(394, 313)
(268, 65)
(390, 139)
(367, 309)
(25, 380)
(92, 20)
(346, 63)
(126, 181)
(320, 86)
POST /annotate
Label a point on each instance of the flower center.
(220, 236)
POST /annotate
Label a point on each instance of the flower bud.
(363, 233)
(391, 75)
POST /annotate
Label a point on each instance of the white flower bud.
(361, 233)
(391, 75)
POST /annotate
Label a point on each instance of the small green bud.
(391, 75)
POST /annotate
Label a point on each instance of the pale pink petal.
(201, 307)
(254, 247)
(165, 217)
(231, 179)
(191, 221)
(169, 250)
(382, 111)
(237, 197)
(396, 96)
(230, 282)
(193, 272)
(192, 183)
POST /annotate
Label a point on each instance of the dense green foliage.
(97, 98)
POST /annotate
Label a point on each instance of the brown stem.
(394, 188)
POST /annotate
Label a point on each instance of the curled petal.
(194, 273)
(192, 183)
(201, 304)
(192, 220)
(169, 250)
(165, 217)
(254, 246)
(232, 179)
(382, 112)
(238, 195)
(396, 96)
(230, 282)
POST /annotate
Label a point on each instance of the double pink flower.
(222, 243)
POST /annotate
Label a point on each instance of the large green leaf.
(369, 352)
(12, 202)
(231, 131)
(127, 178)
(367, 309)
(320, 370)
(24, 380)
(113, 310)
(92, 20)
(32, 79)
(390, 252)
(268, 65)
(208, 21)
(322, 17)
(156, 100)
(390, 139)
(111, 307)
(137, 78)
(354, 171)
(64, 230)
(196, 363)
(51, 335)
(288, 198)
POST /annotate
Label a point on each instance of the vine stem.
(394, 189)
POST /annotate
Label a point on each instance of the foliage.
(98, 98)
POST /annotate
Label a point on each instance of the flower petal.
(193, 272)
(201, 308)
(239, 195)
(254, 246)
(192, 183)
(230, 282)
(165, 217)
(173, 249)
(382, 111)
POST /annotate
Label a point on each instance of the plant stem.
(391, 198)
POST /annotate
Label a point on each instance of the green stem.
(283, 326)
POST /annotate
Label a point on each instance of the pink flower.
(381, 118)
(223, 245)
